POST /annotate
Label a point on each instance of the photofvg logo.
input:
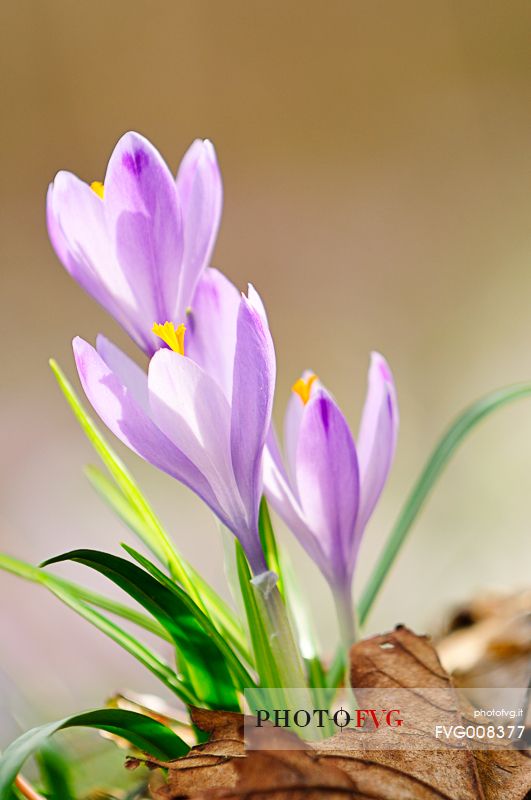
(323, 718)
(278, 711)
(425, 718)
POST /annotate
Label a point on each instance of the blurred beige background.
(376, 166)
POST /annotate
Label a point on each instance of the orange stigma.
(97, 188)
(174, 338)
(303, 387)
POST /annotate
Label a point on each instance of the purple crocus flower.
(140, 241)
(192, 416)
(327, 487)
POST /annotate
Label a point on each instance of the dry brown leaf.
(293, 774)
(402, 659)
(488, 642)
(346, 766)
(207, 766)
(150, 706)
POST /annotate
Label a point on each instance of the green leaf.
(55, 774)
(211, 679)
(52, 582)
(316, 673)
(153, 662)
(335, 674)
(438, 460)
(142, 732)
(210, 602)
(264, 659)
(111, 494)
(269, 543)
(221, 614)
(129, 503)
(242, 676)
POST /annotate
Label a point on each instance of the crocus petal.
(78, 232)
(257, 303)
(117, 406)
(144, 221)
(281, 494)
(292, 422)
(192, 411)
(201, 196)
(273, 447)
(211, 327)
(126, 370)
(328, 480)
(283, 501)
(377, 436)
(252, 401)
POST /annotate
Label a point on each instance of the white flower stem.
(345, 616)
(285, 652)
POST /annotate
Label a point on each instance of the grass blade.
(210, 603)
(154, 663)
(128, 502)
(142, 732)
(55, 774)
(269, 543)
(438, 460)
(113, 496)
(152, 532)
(210, 676)
(52, 582)
(221, 614)
(242, 676)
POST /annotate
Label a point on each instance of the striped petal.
(78, 232)
(328, 480)
(211, 326)
(118, 406)
(201, 196)
(192, 411)
(144, 220)
(377, 436)
(252, 402)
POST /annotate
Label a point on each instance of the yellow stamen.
(303, 387)
(98, 188)
(173, 338)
